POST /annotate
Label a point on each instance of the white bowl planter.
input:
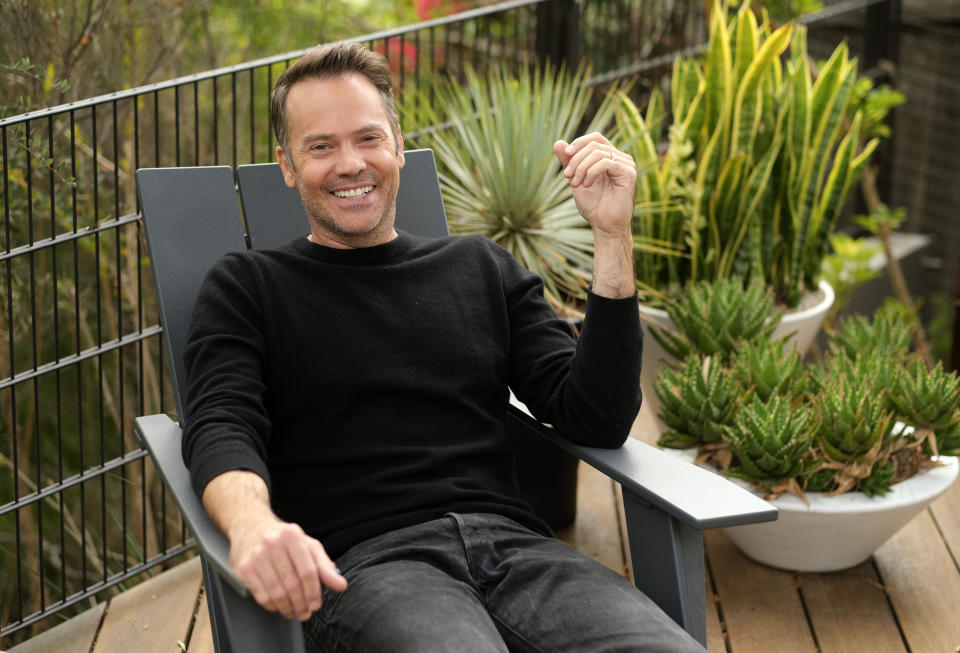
(803, 324)
(834, 533)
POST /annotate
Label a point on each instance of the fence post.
(881, 56)
(558, 32)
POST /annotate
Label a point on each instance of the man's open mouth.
(353, 192)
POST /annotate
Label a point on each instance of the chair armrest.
(161, 436)
(694, 496)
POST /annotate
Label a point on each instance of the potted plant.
(761, 153)
(849, 449)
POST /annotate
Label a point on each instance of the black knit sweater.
(368, 387)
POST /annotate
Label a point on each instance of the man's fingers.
(292, 564)
(329, 574)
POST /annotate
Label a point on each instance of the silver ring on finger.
(613, 157)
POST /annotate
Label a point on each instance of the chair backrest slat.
(192, 218)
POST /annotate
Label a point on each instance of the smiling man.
(346, 422)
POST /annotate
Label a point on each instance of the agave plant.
(760, 159)
(697, 400)
(714, 318)
(498, 173)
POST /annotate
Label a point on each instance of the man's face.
(344, 159)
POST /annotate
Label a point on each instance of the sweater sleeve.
(588, 389)
(226, 423)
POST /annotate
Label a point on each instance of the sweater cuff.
(201, 473)
(613, 311)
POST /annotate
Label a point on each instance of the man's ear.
(400, 158)
(289, 178)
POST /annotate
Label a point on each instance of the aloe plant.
(771, 441)
(887, 332)
(760, 160)
(697, 401)
(712, 319)
(763, 366)
(929, 399)
(853, 423)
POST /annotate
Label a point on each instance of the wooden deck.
(907, 598)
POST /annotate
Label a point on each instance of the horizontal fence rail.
(81, 508)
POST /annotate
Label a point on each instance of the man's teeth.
(355, 192)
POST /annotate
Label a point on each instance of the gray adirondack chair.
(192, 217)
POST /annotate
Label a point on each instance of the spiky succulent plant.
(887, 332)
(712, 319)
(696, 401)
(853, 423)
(762, 365)
(771, 441)
(929, 399)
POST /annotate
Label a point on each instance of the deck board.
(716, 642)
(201, 638)
(946, 513)
(849, 611)
(923, 584)
(73, 636)
(762, 610)
(154, 616)
(594, 532)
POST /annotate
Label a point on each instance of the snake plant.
(761, 157)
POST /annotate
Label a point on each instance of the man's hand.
(603, 180)
(284, 568)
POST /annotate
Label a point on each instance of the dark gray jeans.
(479, 582)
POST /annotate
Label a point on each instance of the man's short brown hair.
(331, 61)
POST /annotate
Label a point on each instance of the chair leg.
(239, 625)
(668, 564)
(221, 643)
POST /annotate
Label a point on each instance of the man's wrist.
(613, 275)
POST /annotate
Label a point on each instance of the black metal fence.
(80, 350)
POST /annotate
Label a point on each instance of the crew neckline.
(359, 255)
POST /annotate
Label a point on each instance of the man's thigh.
(404, 606)
(546, 596)
(409, 590)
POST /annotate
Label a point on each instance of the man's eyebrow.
(366, 129)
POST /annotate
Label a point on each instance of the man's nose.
(350, 162)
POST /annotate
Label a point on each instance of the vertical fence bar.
(233, 115)
(34, 341)
(196, 124)
(176, 125)
(251, 104)
(56, 356)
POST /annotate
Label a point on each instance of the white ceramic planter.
(834, 533)
(804, 326)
